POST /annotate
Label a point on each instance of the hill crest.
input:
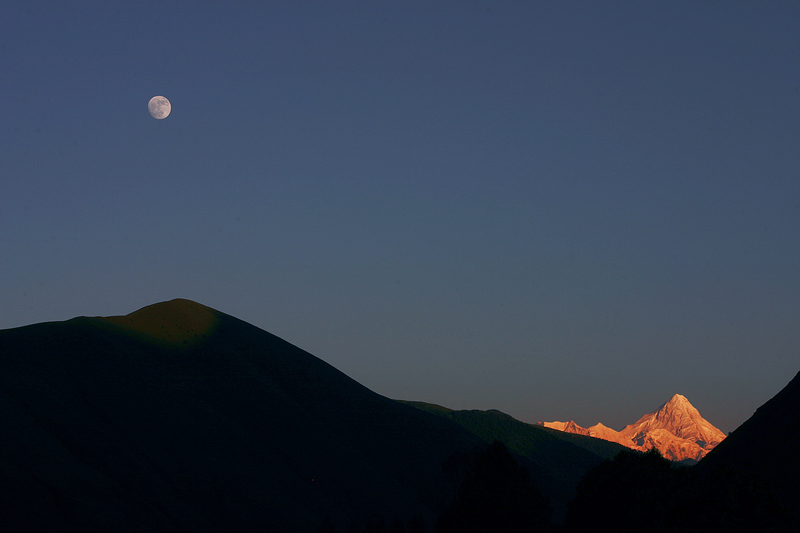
(174, 323)
(180, 417)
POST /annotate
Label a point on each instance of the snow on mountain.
(606, 433)
(569, 427)
(676, 429)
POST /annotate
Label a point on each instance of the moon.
(159, 107)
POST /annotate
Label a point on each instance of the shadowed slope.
(765, 446)
(208, 423)
(556, 460)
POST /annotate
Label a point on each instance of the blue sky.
(562, 210)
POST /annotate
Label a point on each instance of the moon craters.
(159, 107)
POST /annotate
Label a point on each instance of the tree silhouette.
(727, 499)
(645, 492)
(494, 495)
(633, 490)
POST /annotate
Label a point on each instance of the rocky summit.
(676, 429)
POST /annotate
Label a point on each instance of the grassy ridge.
(556, 460)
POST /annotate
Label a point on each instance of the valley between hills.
(178, 417)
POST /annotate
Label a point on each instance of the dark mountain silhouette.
(179, 417)
(765, 447)
(556, 460)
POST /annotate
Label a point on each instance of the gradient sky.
(562, 210)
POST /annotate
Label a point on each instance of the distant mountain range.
(178, 417)
(675, 429)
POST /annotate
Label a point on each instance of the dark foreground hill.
(766, 448)
(179, 417)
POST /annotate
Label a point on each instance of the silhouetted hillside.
(179, 417)
(556, 460)
(765, 447)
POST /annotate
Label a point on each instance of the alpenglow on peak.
(676, 429)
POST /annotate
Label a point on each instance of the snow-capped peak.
(676, 429)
